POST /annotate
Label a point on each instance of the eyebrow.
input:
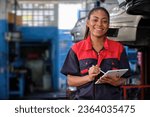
(102, 18)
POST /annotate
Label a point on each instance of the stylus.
(102, 71)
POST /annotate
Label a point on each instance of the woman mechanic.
(96, 52)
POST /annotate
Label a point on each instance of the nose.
(99, 23)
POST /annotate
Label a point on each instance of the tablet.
(113, 73)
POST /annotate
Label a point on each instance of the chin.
(100, 35)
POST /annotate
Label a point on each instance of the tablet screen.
(113, 73)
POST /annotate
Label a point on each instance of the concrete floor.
(42, 96)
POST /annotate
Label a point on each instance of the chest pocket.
(86, 63)
(110, 64)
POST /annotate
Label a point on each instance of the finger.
(94, 75)
(103, 81)
(97, 67)
(117, 76)
(106, 80)
(115, 79)
(92, 67)
(96, 70)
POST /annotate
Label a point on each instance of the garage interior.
(36, 35)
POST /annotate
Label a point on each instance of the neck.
(98, 43)
(98, 40)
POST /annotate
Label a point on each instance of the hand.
(116, 81)
(93, 72)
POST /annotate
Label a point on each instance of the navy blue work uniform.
(82, 56)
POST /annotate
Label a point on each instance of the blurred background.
(35, 37)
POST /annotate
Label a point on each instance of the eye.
(94, 20)
(105, 21)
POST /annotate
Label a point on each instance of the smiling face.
(98, 23)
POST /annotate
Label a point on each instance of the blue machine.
(3, 61)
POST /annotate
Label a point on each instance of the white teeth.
(99, 29)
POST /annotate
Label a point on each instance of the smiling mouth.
(98, 29)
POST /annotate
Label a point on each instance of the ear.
(87, 23)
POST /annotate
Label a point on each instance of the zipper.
(94, 85)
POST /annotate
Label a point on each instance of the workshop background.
(35, 36)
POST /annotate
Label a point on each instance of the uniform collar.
(88, 43)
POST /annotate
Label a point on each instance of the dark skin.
(98, 25)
